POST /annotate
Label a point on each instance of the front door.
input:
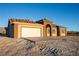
(48, 30)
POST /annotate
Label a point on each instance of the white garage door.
(31, 32)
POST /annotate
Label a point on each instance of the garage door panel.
(31, 32)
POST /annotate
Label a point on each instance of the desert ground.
(48, 46)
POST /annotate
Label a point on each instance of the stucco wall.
(10, 30)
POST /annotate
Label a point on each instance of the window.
(49, 31)
(53, 31)
(62, 31)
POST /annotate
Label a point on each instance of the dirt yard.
(51, 46)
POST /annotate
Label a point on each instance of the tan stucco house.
(20, 28)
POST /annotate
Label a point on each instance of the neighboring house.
(73, 33)
(19, 28)
(2, 31)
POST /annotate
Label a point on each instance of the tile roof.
(21, 20)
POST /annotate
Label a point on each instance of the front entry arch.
(48, 30)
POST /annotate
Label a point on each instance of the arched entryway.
(48, 30)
